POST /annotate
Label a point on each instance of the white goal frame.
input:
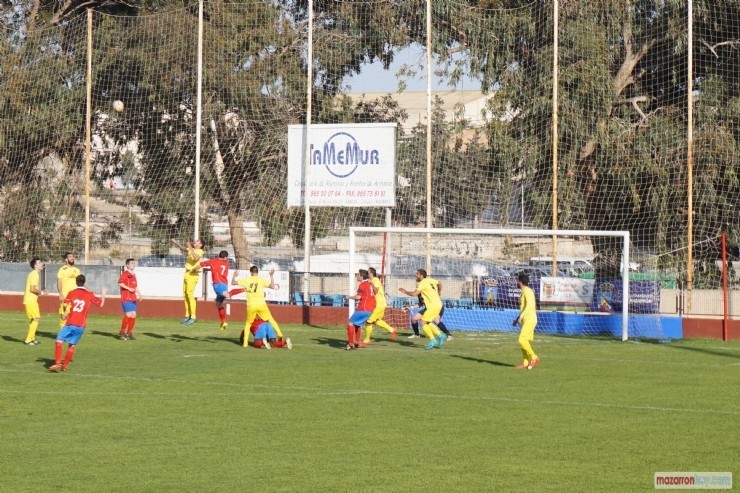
(625, 235)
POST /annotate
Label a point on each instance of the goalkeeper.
(528, 319)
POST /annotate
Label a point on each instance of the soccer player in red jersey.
(220, 279)
(365, 305)
(265, 336)
(76, 307)
(130, 295)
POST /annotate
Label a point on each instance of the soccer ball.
(118, 105)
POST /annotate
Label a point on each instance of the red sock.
(236, 291)
(351, 334)
(68, 357)
(131, 323)
(257, 343)
(358, 334)
(124, 324)
(58, 348)
(222, 314)
(278, 343)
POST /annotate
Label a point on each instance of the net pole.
(307, 167)
(429, 132)
(198, 116)
(386, 246)
(626, 288)
(88, 134)
(725, 307)
(690, 151)
(350, 283)
(555, 14)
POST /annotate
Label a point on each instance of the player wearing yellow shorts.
(254, 288)
(31, 300)
(194, 254)
(528, 318)
(66, 282)
(428, 288)
(376, 317)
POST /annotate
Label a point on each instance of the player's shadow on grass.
(46, 361)
(153, 335)
(230, 340)
(105, 334)
(180, 338)
(478, 360)
(713, 352)
(39, 334)
(333, 343)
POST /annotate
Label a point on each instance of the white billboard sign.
(351, 165)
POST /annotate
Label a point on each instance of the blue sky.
(375, 79)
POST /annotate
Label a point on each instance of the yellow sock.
(276, 327)
(32, 330)
(368, 332)
(246, 336)
(527, 349)
(192, 305)
(383, 325)
(435, 329)
(427, 329)
(526, 357)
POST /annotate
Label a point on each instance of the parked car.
(168, 260)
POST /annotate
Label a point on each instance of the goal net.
(581, 279)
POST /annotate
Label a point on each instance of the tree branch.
(32, 16)
(712, 48)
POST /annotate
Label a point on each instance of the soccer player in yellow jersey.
(528, 318)
(194, 254)
(254, 287)
(66, 282)
(376, 317)
(31, 300)
(428, 288)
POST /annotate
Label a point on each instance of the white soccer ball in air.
(118, 105)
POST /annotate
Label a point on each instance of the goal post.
(467, 260)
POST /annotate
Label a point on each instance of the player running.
(76, 307)
(376, 318)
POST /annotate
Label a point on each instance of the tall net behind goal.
(479, 269)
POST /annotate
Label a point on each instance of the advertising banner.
(351, 165)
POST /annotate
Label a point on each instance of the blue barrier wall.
(564, 323)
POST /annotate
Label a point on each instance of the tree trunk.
(238, 238)
(623, 78)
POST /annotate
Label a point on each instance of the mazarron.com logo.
(342, 155)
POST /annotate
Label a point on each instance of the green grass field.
(187, 409)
